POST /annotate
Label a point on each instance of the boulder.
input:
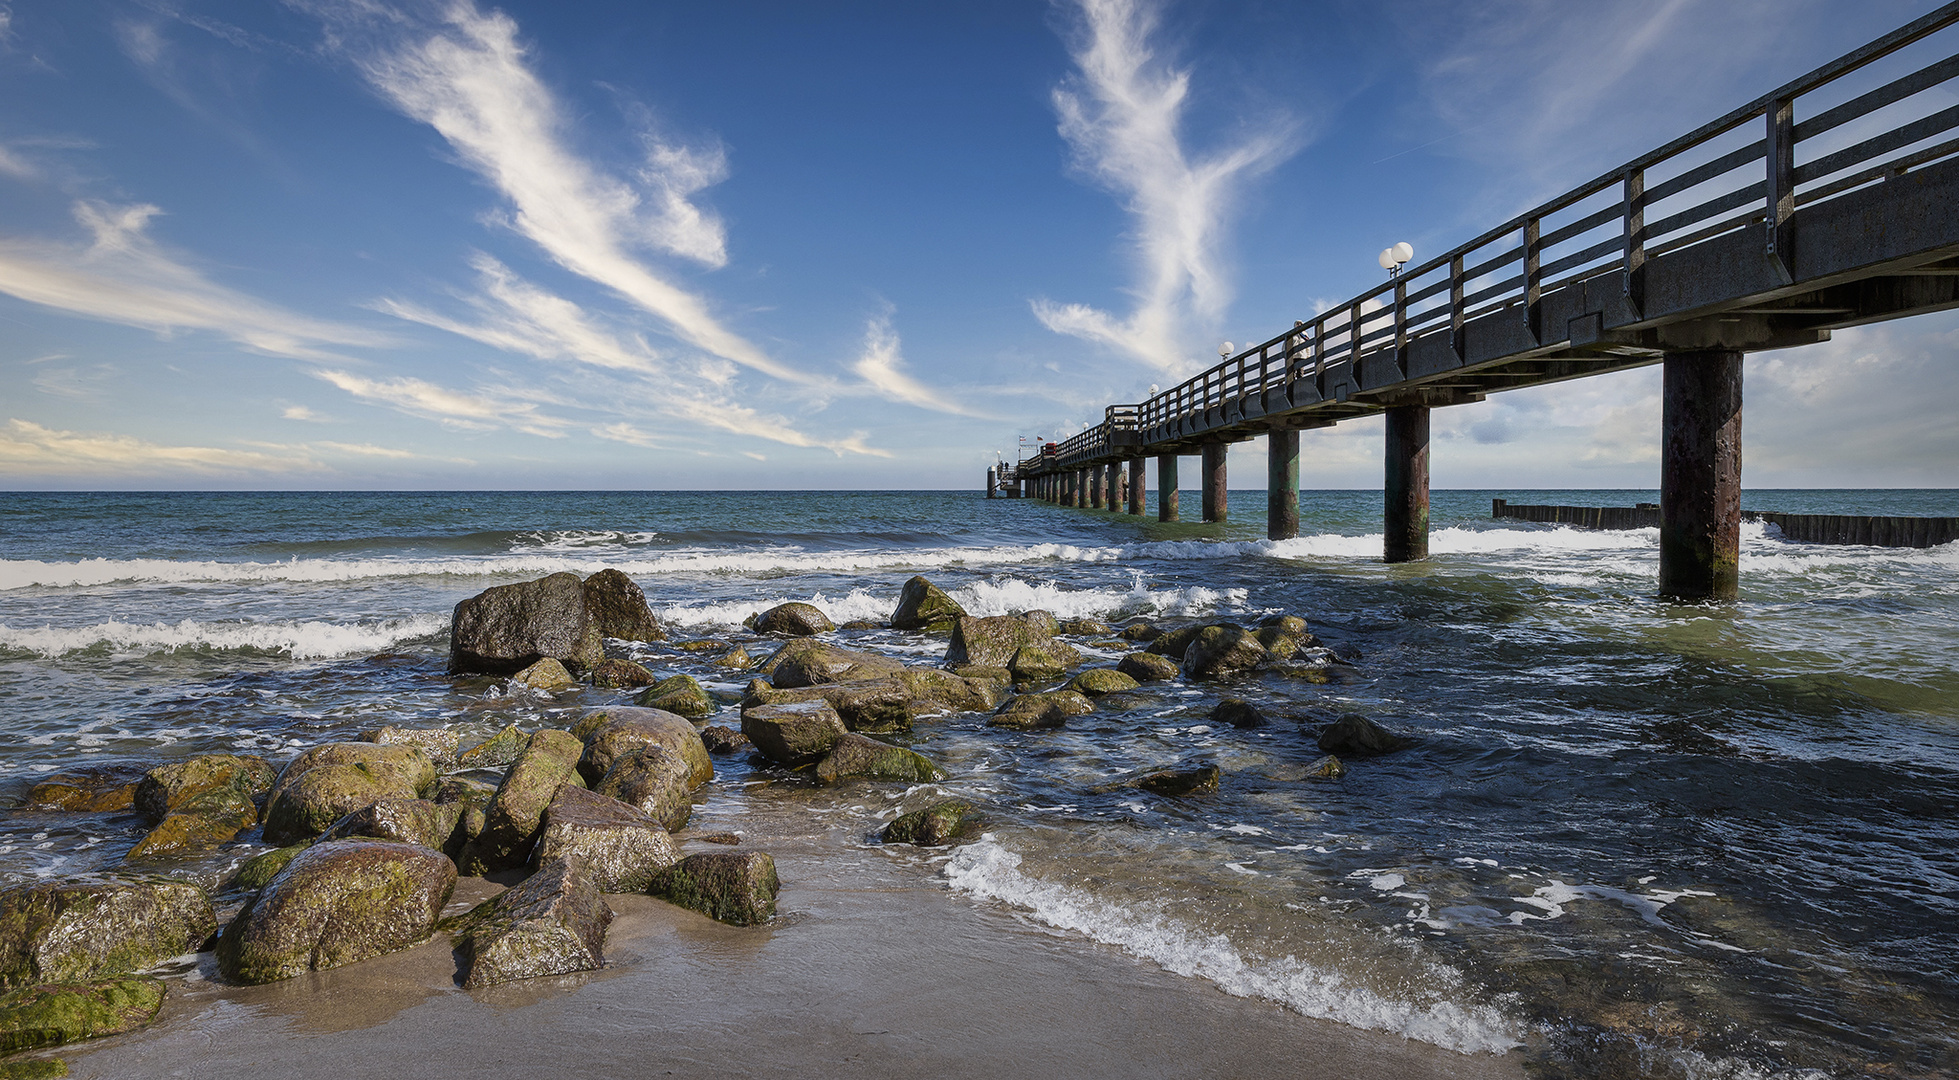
(1172, 643)
(1291, 626)
(1357, 736)
(793, 620)
(618, 608)
(724, 740)
(439, 745)
(506, 629)
(1141, 631)
(882, 705)
(1149, 667)
(198, 803)
(330, 781)
(924, 606)
(814, 663)
(735, 659)
(949, 691)
(33, 1069)
(1050, 709)
(998, 678)
(794, 733)
(654, 779)
(1279, 646)
(612, 733)
(621, 846)
(993, 640)
(677, 694)
(1224, 650)
(1043, 660)
(1239, 713)
(411, 821)
(857, 757)
(735, 887)
(613, 673)
(472, 799)
(258, 871)
(336, 903)
(54, 1015)
(1178, 780)
(1101, 681)
(104, 789)
(511, 823)
(862, 624)
(1326, 768)
(935, 825)
(551, 923)
(495, 752)
(1086, 627)
(78, 929)
(546, 674)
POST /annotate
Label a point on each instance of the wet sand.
(870, 971)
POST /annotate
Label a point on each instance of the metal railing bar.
(1613, 246)
(1700, 174)
(1923, 79)
(1944, 120)
(1750, 217)
(1893, 167)
(1582, 225)
(1497, 263)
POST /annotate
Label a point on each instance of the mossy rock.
(924, 606)
(817, 663)
(88, 790)
(70, 1012)
(1141, 631)
(1222, 651)
(258, 871)
(1044, 660)
(654, 780)
(439, 745)
(1178, 781)
(1086, 627)
(329, 782)
(1173, 643)
(181, 835)
(1045, 710)
(1102, 681)
(616, 674)
(1326, 768)
(1149, 667)
(514, 816)
(793, 734)
(793, 619)
(1357, 736)
(677, 694)
(725, 740)
(735, 659)
(336, 903)
(617, 608)
(611, 733)
(734, 887)
(882, 705)
(992, 641)
(1238, 713)
(955, 692)
(551, 923)
(546, 674)
(411, 821)
(79, 929)
(621, 846)
(937, 824)
(1291, 626)
(858, 757)
(33, 1069)
(495, 752)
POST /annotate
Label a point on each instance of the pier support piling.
(992, 484)
(1405, 525)
(1166, 487)
(1700, 475)
(1081, 489)
(1214, 485)
(1282, 485)
(1095, 475)
(1118, 488)
(1137, 491)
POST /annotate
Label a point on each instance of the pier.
(1766, 228)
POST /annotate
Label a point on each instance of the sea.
(1631, 837)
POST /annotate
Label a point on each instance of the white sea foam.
(986, 869)
(302, 640)
(1002, 596)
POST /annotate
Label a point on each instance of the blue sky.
(347, 244)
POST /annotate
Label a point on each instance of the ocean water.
(1633, 838)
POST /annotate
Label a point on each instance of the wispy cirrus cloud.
(881, 367)
(480, 410)
(29, 449)
(1121, 113)
(123, 276)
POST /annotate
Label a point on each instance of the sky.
(353, 244)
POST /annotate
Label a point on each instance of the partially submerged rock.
(620, 846)
(793, 619)
(655, 780)
(330, 781)
(1101, 681)
(87, 790)
(1142, 630)
(505, 629)
(1086, 627)
(1043, 660)
(1178, 781)
(77, 929)
(411, 821)
(336, 903)
(858, 757)
(1326, 768)
(198, 803)
(724, 740)
(734, 887)
(551, 923)
(816, 663)
(1172, 643)
(613, 673)
(511, 824)
(1045, 710)
(438, 744)
(793, 734)
(618, 608)
(1223, 650)
(992, 641)
(735, 659)
(258, 871)
(614, 732)
(677, 694)
(1149, 667)
(1357, 736)
(55, 1015)
(1238, 713)
(937, 824)
(924, 606)
(546, 674)
(938, 689)
(882, 705)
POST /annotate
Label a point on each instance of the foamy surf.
(311, 640)
(987, 870)
(1001, 596)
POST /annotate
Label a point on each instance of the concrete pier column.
(1166, 487)
(1405, 528)
(1700, 475)
(1137, 491)
(1118, 488)
(1095, 475)
(1214, 487)
(1081, 489)
(992, 484)
(1282, 485)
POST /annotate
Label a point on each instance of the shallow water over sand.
(1633, 838)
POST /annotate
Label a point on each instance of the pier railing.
(1749, 169)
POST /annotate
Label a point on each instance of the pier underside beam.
(1166, 487)
(1282, 484)
(1214, 481)
(1137, 492)
(1700, 475)
(1405, 526)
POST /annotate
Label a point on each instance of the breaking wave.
(301, 640)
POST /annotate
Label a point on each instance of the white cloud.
(28, 449)
(1121, 115)
(12, 164)
(123, 276)
(468, 78)
(456, 408)
(881, 367)
(300, 412)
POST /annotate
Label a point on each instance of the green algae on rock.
(336, 903)
(858, 757)
(677, 694)
(794, 619)
(259, 870)
(411, 821)
(495, 752)
(613, 673)
(546, 674)
(551, 923)
(70, 1012)
(653, 780)
(735, 887)
(620, 845)
(77, 929)
(924, 606)
(198, 803)
(793, 734)
(1102, 681)
(1044, 710)
(611, 733)
(331, 781)
(511, 822)
(1149, 667)
(935, 825)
